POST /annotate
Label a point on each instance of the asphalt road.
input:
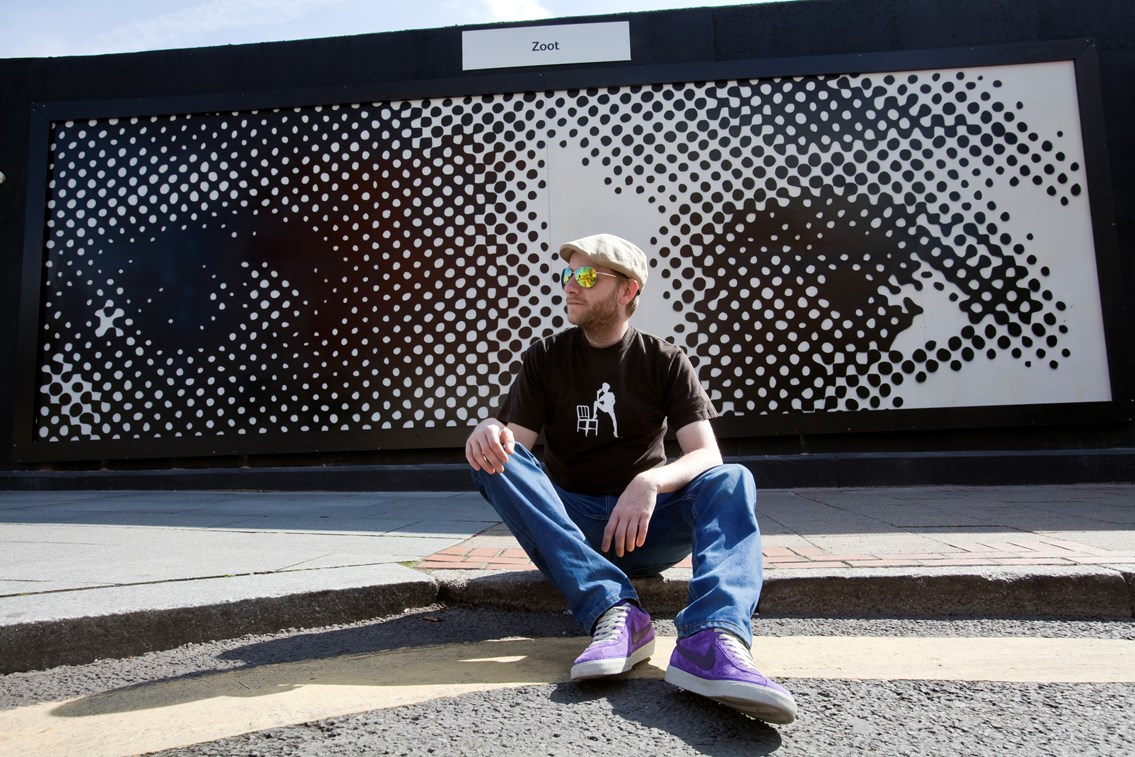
(458, 681)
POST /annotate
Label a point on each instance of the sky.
(49, 28)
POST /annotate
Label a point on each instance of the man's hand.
(489, 446)
(629, 521)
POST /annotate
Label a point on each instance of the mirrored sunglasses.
(585, 276)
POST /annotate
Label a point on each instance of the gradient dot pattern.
(379, 266)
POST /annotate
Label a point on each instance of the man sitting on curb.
(606, 505)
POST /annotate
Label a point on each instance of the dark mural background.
(821, 244)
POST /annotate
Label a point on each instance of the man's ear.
(630, 291)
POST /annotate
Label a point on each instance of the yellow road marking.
(948, 659)
(181, 712)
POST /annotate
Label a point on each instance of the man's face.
(599, 307)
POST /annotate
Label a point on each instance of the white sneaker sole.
(604, 668)
(755, 701)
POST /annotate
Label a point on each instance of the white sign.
(545, 45)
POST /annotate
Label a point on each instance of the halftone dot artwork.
(819, 244)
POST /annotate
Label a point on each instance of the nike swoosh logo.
(639, 635)
(703, 661)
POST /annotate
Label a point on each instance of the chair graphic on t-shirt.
(587, 416)
(585, 420)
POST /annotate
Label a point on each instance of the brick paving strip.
(494, 549)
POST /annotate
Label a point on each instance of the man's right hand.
(489, 446)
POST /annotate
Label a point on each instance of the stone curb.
(1077, 592)
(42, 643)
(883, 592)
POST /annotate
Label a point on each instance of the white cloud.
(515, 10)
(461, 12)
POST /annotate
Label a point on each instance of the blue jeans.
(713, 518)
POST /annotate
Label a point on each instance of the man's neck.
(606, 337)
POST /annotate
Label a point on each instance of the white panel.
(545, 45)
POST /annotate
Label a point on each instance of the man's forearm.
(676, 474)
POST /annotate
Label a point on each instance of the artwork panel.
(821, 244)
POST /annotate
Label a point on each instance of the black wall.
(777, 30)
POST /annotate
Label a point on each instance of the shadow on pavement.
(708, 728)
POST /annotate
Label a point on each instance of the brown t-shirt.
(604, 412)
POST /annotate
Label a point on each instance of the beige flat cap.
(612, 251)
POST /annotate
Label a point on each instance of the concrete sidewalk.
(97, 574)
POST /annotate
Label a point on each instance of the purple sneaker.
(718, 665)
(623, 638)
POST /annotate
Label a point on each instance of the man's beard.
(602, 316)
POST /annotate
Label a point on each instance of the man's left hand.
(626, 528)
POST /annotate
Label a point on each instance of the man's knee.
(731, 477)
